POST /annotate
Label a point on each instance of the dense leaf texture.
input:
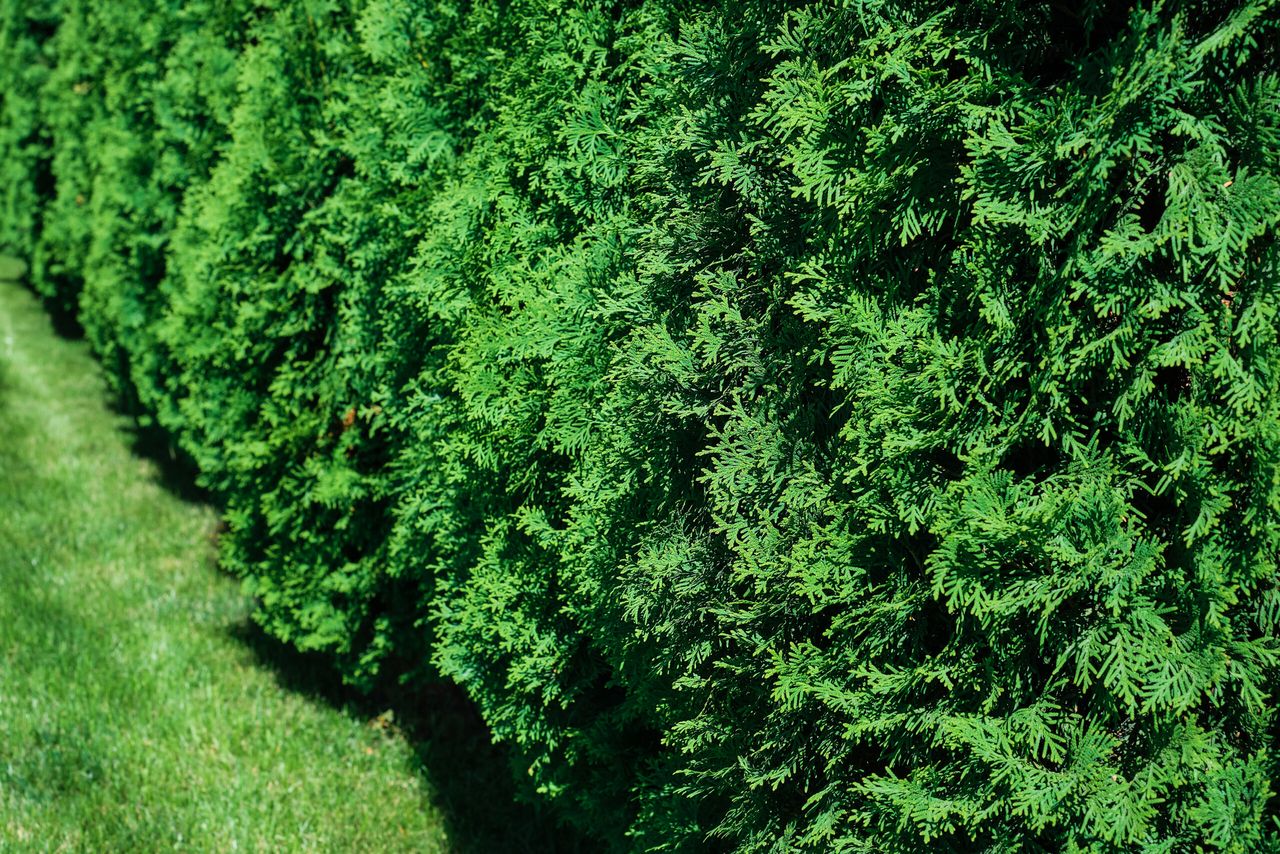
(833, 425)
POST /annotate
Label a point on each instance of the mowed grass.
(133, 716)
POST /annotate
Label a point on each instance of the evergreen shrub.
(848, 425)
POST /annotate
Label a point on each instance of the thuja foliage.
(848, 425)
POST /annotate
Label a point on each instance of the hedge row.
(846, 425)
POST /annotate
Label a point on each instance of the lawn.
(139, 708)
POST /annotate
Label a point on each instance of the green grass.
(139, 710)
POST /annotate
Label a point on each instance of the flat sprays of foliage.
(842, 426)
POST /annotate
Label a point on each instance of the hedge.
(848, 425)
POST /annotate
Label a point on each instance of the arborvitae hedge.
(830, 426)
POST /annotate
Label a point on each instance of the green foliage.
(24, 143)
(831, 425)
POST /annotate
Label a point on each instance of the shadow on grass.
(63, 319)
(175, 471)
(471, 777)
(13, 273)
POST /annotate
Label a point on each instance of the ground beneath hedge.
(139, 708)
